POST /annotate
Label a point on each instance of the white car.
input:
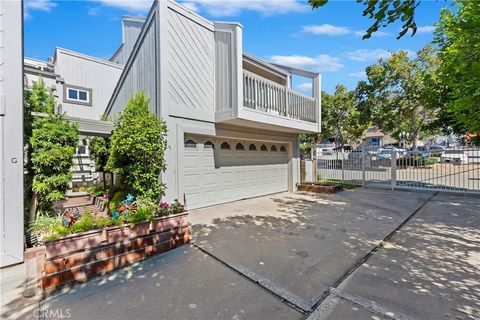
(454, 156)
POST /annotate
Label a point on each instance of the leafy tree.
(53, 143)
(342, 120)
(385, 12)
(401, 94)
(137, 149)
(99, 152)
(458, 39)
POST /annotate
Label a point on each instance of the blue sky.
(328, 40)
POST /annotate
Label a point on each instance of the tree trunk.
(33, 209)
(104, 182)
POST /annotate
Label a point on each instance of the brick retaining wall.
(81, 265)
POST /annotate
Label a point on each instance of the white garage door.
(218, 171)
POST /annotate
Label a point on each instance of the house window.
(225, 146)
(239, 146)
(190, 144)
(208, 145)
(252, 147)
(81, 150)
(78, 95)
(282, 148)
(263, 148)
(273, 148)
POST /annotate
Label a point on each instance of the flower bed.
(79, 257)
(78, 247)
(320, 187)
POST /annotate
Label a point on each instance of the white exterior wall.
(83, 71)
(174, 62)
(131, 28)
(190, 63)
(11, 132)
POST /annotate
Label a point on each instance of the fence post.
(363, 166)
(393, 169)
(343, 159)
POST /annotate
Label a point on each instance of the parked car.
(327, 151)
(454, 156)
(355, 154)
(418, 153)
(384, 154)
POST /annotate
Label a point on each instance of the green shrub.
(137, 149)
(86, 222)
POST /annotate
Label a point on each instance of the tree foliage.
(458, 39)
(402, 95)
(137, 149)
(51, 145)
(340, 116)
(99, 148)
(385, 12)
(341, 120)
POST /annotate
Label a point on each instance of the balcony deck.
(266, 96)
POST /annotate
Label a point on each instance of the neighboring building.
(11, 133)
(374, 137)
(82, 86)
(233, 120)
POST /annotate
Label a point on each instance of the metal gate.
(454, 170)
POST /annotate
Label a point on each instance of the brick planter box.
(318, 187)
(77, 258)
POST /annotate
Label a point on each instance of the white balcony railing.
(267, 96)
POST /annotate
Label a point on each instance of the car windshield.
(453, 152)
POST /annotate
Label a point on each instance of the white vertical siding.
(87, 72)
(131, 28)
(140, 74)
(191, 58)
(223, 71)
(11, 133)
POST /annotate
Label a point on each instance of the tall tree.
(341, 118)
(458, 39)
(401, 94)
(385, 12)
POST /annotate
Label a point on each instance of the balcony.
(269, 97)
(253, 93)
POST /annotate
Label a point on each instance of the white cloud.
(359, 74)
(93, 11)
(326, 29)
(331, 30)
(129, 5)
(377, 34)
(367, 54)
(426, 29)
(39, 5)
(224, 8)
(304, 87)
(320, 63)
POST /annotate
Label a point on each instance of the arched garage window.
(252, 147)
(208, 145)
(283, 149)
(239, 146)
(264, 148)
(190, 144)
(225, 146)
(273, 148)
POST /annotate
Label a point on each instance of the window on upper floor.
(78, 95)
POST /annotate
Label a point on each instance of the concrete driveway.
(293, 256)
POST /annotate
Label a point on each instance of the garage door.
(218, 171)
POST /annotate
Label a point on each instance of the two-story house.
(82, 86)
(233, 120)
